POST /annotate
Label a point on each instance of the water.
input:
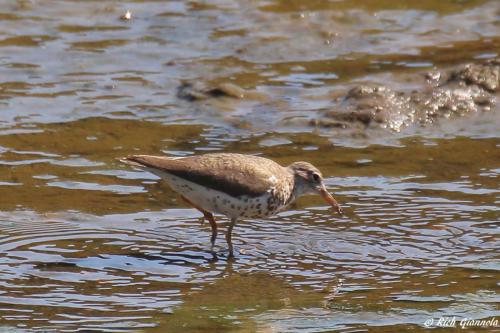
(89, 244)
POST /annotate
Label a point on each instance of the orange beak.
(328, 198)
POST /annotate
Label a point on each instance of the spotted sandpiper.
(235, 185)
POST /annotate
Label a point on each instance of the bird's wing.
(234, 174)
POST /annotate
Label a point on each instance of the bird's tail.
(147, 161)
(132, 160)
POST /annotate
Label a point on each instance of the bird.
(235, 185)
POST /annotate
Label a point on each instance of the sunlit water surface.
(88, 244)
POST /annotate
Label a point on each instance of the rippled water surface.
(89, 244)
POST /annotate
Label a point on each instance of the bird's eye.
(316, 177)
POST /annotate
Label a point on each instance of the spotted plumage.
(235, 185)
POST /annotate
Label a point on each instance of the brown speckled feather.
(234, 174)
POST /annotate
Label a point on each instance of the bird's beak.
(331, 200)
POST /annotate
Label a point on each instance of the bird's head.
(309, 180)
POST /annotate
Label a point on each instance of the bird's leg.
(209, 217)
(204, 212)
(228, 237)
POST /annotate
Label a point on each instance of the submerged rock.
(467, 89)
(196, 91)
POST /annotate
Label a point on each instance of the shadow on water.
(226, 306)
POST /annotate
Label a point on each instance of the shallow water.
(89, 244)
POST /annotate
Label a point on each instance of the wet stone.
(197, 91)
(485, 75)
(371, 105)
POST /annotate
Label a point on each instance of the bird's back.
(233, 174)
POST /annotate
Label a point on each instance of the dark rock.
(190, 92)
(196, 91)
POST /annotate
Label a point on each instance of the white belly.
(219, 202)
